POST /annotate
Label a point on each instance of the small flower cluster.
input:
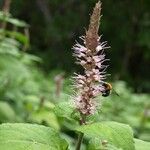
(87, 84)
(90, 55)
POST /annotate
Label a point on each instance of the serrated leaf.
(141, 145)
(64, 109)
(19, 136)
(117, 134)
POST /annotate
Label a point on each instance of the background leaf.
(6, 112)
(64, 110)
(141, 145)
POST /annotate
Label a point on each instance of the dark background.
(56, 24)
(36, 64)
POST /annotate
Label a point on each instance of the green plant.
(27, 95)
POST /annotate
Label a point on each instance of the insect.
(107, 89)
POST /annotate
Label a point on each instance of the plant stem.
(80, 138)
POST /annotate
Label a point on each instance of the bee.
(107, 89)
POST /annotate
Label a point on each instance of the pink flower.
(90, 55)
(88, 85)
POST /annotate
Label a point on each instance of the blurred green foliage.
(28, 94)
(23, 87)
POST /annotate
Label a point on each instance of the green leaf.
(6, 112)
(97, 144)
(18, 35)
(9, 46)
(46, 116)
(19, 136)
(16, 22)
(141, 145)
(7, 18)
(117, 134)
(64, 110)
(145, 135)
